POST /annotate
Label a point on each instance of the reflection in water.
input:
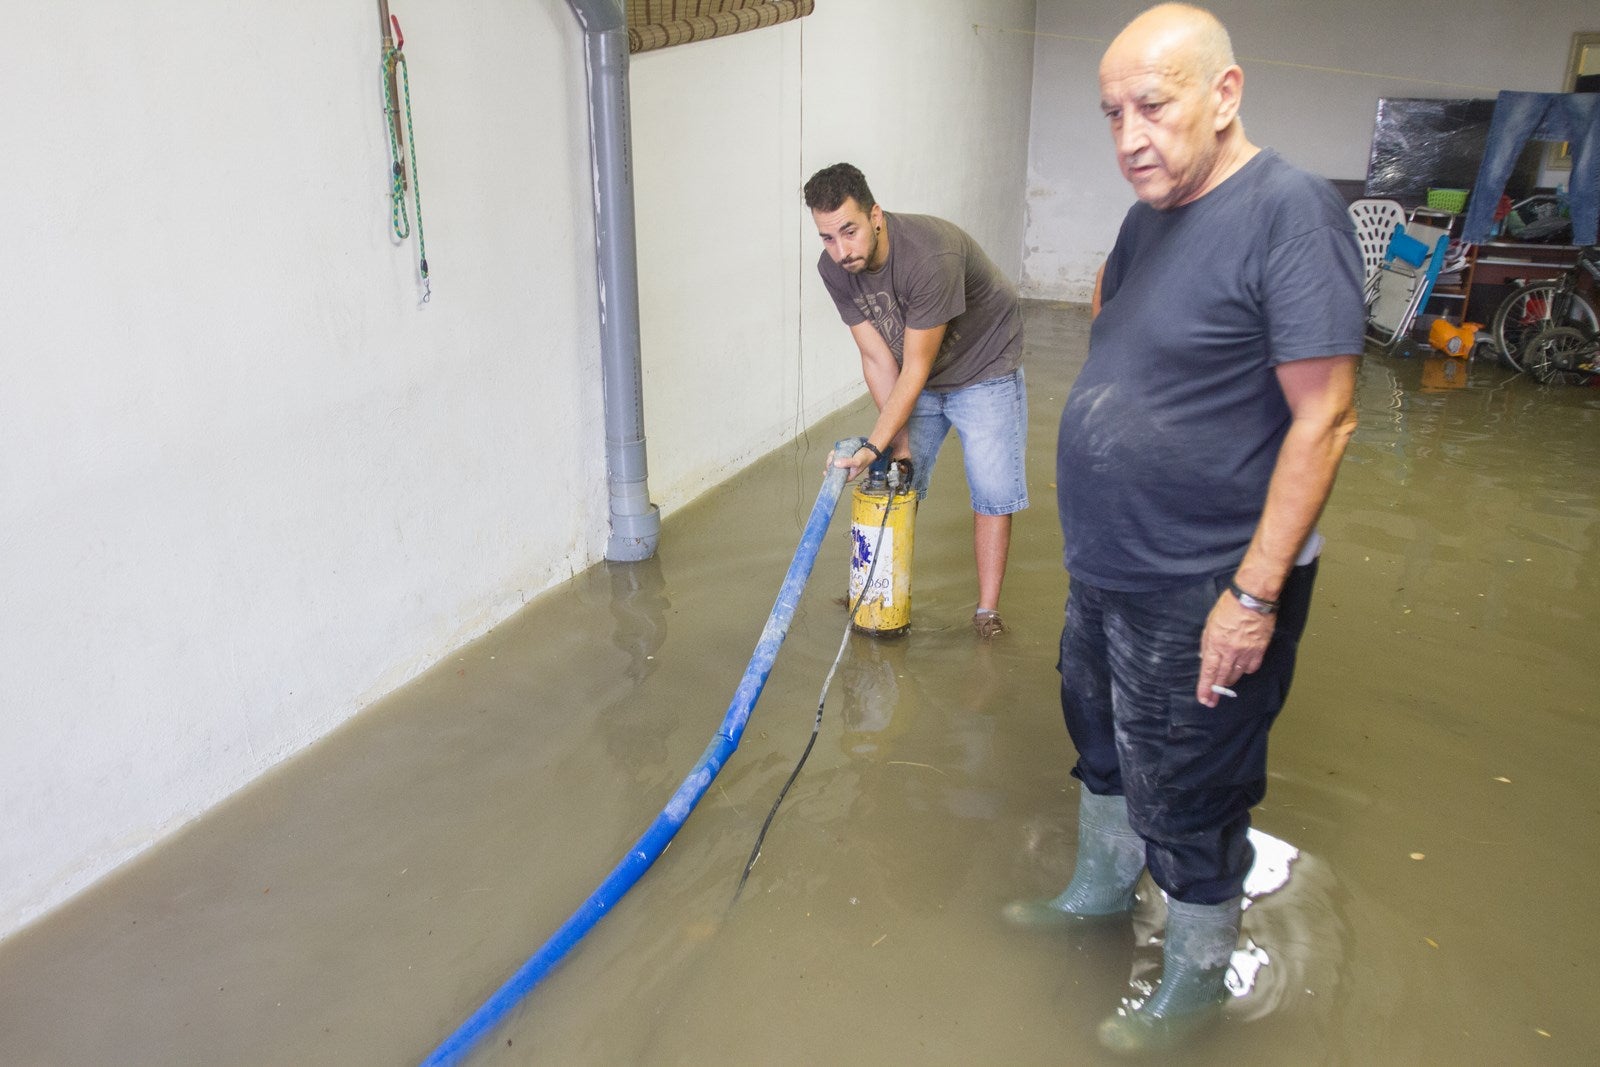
(1270, 871)
(637, 731)
(639, 605)
(870, 693)
(1296, 940)
(1293, 943)
(1440, 373)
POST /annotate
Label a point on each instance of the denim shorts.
(992, 418)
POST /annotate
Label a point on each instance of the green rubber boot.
(1200, 940)
(1110, 860)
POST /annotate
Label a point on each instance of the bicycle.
(1550, 303)
(1562, 355)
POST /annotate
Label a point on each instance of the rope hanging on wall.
(394, 60)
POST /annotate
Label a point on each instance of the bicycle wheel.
(1532, 306)
(1559, 355)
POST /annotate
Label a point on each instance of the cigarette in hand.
(1223, 691)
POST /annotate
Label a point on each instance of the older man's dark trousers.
(1129, 666)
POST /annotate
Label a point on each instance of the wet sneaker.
(988, 623)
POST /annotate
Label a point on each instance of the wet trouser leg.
(1129, 665)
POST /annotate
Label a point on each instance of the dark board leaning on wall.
(1421, 144)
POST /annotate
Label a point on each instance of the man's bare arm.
(1320, 394)
(894, 388)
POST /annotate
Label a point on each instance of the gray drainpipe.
(635, 522)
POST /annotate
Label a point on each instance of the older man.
(1196, 451)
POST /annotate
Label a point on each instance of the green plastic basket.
(1451, 200)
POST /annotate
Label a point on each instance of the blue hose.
(655, 840)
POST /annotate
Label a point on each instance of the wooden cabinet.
(1496, 265)
(1472, 293)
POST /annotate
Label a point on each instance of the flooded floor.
(1431, 833)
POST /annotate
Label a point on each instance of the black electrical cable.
(816, 725)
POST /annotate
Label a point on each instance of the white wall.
(715, 133)
(931, 102)
(1313, 76)
(248, 484)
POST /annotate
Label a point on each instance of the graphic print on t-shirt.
(883, 311)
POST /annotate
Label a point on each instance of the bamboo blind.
(663, 23)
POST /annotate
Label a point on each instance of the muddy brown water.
(1431, 828)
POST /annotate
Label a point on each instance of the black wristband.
(870, 447)
(1259, 605)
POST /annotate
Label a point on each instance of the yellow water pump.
(881, 522)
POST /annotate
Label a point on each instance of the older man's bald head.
(1190, 43)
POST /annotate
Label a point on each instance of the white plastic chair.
(1375, 221)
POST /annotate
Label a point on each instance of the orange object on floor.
(1451, 339)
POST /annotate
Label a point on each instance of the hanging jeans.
(1521, 117)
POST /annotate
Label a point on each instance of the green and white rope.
(394, 59)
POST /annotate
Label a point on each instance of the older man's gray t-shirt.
(1172, 430)
(935, 275)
